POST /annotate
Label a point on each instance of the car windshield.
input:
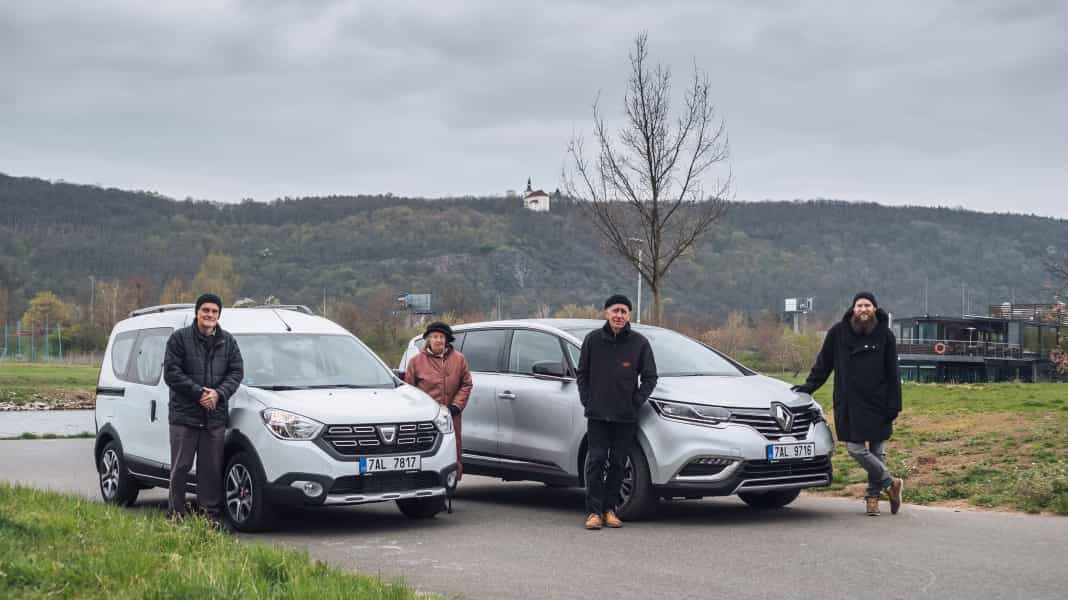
(679, 356)
(292, 361)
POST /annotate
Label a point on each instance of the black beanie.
(868, 296)
(441, 328)
(618, 299)
(210, 298)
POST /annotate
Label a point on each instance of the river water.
(40, 422)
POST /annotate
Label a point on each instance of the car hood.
(753, 391)
(341, 405)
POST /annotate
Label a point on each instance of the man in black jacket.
(203, 368)
(862, 352)
(612, 360)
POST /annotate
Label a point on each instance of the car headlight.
(288, 426)
(443, 420)
(696, 413)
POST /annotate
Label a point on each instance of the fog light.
(450, 479)
(311, 489)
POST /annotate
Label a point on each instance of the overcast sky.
(925, 102)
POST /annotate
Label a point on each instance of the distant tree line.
(105, 251)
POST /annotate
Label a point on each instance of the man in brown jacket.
(441, 371)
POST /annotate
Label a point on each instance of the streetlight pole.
(639, 242)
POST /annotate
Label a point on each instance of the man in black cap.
(613, 360)
(203, 368)
(862, 352)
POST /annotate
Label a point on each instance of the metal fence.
(32, 341)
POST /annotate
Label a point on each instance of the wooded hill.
(469, 252)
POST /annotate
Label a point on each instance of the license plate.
(791, 451)
(377, 464)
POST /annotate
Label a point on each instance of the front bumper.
(288, 490)
(676, 447)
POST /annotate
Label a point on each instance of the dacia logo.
(388, 433)
(783, 416)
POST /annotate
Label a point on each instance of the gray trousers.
(207, 446)
(872, 456)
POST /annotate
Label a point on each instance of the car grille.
(384, 483)
(762, 420)
(762, 472)
(367, 440)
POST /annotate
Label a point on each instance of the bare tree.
(644, 188)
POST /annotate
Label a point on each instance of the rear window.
(121, 347)
(483, 349)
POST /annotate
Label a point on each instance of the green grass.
(999, 445)
(50, 436)
(53, 383)
(59, 546)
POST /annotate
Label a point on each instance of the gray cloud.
(951, 103)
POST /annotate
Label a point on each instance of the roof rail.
(161, 308)
(296, 307)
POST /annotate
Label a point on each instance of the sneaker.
(894, 492)
(611, 520)
(594, 522)
(871, 505)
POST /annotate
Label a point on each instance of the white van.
(319, 419)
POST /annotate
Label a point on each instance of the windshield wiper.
(280, 388)
(350, 386)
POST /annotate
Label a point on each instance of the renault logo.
(388, 433)
(783, 416)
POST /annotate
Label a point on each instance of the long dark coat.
(867, 387)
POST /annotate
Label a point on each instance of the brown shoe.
(594, 522)
(871, 505)
(894, 492)
(611, 520)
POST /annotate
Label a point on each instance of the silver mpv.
(711, 427)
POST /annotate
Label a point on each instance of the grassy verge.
(50, 436)
(55, 384)
(1001, 445)
(59, 546)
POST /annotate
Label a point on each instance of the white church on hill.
(535, 199)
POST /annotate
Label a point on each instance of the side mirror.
(399, 373)
(549, 368)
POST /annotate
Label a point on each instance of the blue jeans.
(872, 456)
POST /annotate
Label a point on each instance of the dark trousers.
(608, 444)
(207, 446)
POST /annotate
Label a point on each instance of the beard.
(863, 326)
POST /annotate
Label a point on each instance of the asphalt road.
(523, 540)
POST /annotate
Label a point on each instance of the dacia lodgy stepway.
(319, 419)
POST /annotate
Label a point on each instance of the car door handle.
(506, 396)
(152, 414)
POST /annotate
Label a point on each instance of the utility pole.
(92, 300)
(925, 311)
(962, 311)
(639, 242)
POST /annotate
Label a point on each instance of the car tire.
(117, 486)
(421, 508)
(245, 503)
(639, 500)
(764, 500)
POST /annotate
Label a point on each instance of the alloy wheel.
(239, 497)
(109, 476)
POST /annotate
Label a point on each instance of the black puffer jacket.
(867, 387)
(195, 361)
(608, 371)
